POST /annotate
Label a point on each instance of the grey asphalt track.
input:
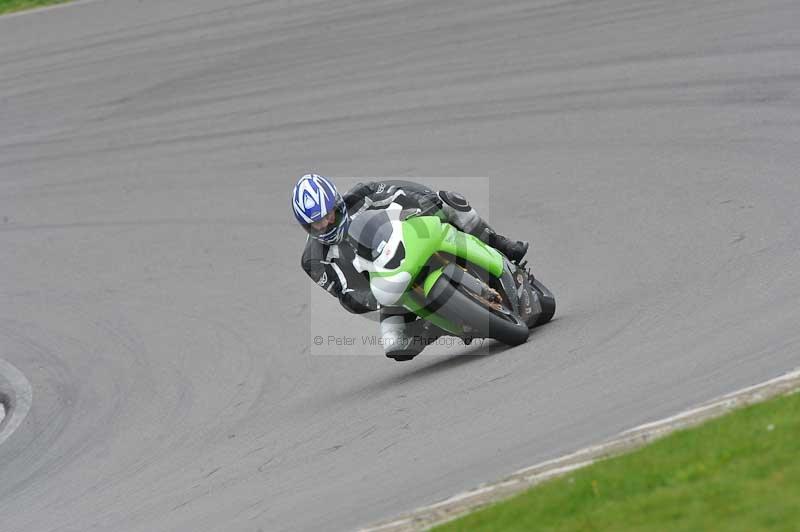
(151, 292)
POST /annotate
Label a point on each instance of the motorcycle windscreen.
(369, 233)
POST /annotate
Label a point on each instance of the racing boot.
(513, 249)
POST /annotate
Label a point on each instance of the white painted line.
(22, 398)
(553, 464)
(462, 496)
(730, 399)
(783, 378)
(388, 526)
(672, 419)
(462, 503)
(37, 10)
(558, 471)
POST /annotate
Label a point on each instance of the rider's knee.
(459, 212)
(399, 338)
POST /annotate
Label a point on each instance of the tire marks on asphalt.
(16, 396)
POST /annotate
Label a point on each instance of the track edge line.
(628, 440)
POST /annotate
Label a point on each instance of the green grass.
(734, 473)
(9, 6)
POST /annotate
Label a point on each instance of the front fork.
(529, 306)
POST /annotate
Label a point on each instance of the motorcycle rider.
(327, 258)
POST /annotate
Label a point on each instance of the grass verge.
(10, 6)
(740, 472)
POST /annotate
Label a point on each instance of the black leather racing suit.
(331, 267)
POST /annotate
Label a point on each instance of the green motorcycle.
(447, 277)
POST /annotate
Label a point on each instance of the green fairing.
(471, 249)
(425, 235)
(431, 279)
(421, 237)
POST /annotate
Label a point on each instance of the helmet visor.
(329, 223)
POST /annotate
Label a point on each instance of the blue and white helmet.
(320, 209)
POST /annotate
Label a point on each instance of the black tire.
(451, 301)
(548, 303)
